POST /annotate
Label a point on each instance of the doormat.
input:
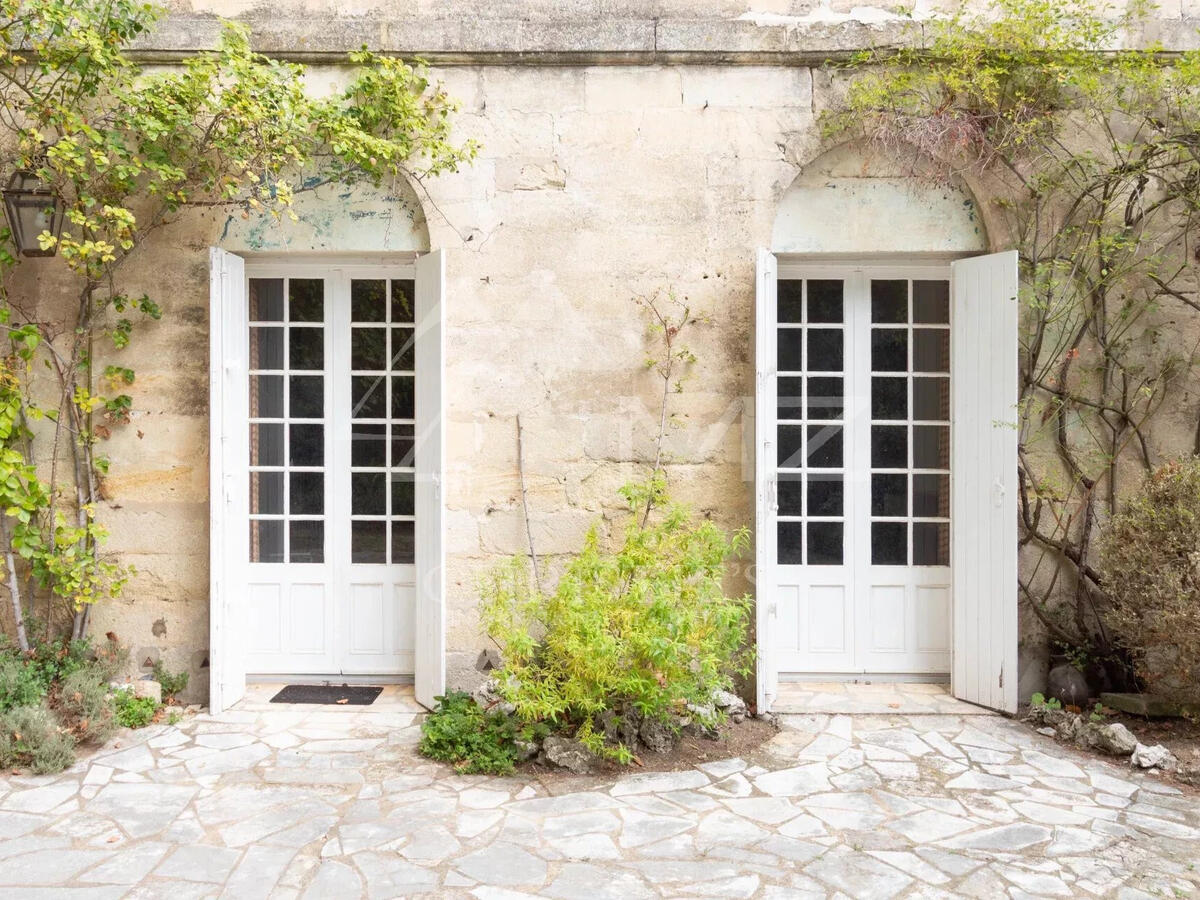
(332, 694)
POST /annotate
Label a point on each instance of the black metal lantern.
(31, 208)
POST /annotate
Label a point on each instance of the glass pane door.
(382, 397)
(862, 455)
(288, 425)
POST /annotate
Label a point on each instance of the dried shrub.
(29, 736)
(111, 657)
(85, 705)
(1150, 564)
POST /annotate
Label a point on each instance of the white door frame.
(229, 448)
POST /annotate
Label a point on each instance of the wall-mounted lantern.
(31, 208)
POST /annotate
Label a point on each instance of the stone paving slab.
(286, 802)
(871, 698)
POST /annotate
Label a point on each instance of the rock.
(485, 695)
(1113, 738)
(656, 735)
(621, 727)
(1067, 685)
(705, 713)
(696, 726)
(145, 687)
(568, 754)
(1156, 757)
(734, 706)
(1147, 705)
(526, 750)
(1047, 731)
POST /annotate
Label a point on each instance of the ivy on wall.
(127, 151)
(1090, 158)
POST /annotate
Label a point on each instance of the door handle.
(998, 492)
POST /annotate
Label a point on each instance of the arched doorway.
(886, 347)
(326, 418)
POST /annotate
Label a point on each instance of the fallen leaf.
(344, 700)
(114, 839)
(893, 705)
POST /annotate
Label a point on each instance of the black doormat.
(337, 695)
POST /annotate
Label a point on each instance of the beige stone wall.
(597, 182)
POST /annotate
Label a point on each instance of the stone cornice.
(747, 41)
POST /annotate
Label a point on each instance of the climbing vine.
(126, 152)
(1090, 162)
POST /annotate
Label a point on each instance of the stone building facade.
(628, 147)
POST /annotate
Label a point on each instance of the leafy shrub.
(172, 684)
(55, 660)
(29, 736)
(20, 684)
(85, 706)
(134, 712)
(1150, 566)
(474, 740)
(647, 624)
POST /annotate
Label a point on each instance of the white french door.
(331, 379)
(883, 390)
(861, 470)
(327, 543)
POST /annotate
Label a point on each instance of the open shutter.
(766, 276)
(984, 489)
(228, 337)
(430, 655)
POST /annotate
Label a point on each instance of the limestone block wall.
(629, 147)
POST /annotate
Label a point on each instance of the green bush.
(55, 660)
(85, 706)
(29, 736)
(134, 712)
(1150, 567)
(20, 684)
(474, 740)
(646, 624)
(172, 684)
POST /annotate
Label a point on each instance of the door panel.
(227, 492)
(984, 480)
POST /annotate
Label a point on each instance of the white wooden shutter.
(430, 655)
(766, 275)
(984, 479)
(228, 354)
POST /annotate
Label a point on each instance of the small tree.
(127, 152)
(1150, 562)
(1090, 163)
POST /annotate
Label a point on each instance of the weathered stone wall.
(629, 147)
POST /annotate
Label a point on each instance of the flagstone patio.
(270, 801)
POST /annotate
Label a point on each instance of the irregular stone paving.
(292, 803)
